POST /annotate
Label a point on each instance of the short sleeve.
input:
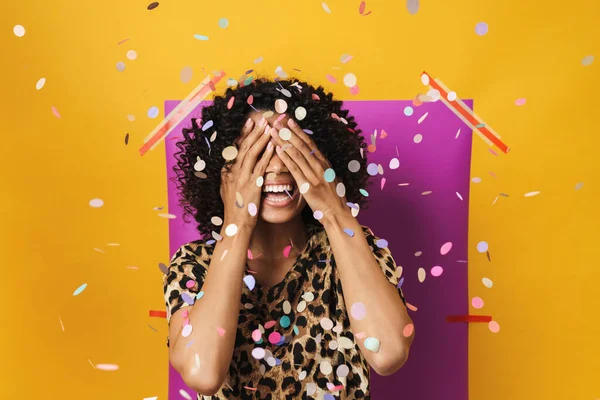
(384, 258)
(185, 276)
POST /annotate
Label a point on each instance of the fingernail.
(292, 123)
(286, 146)
(278, 125)
(267, 130)
(278, 148)
(270, 146)
(248, 122)
(262, 122)
(273, 132)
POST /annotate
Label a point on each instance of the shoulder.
(195, 251)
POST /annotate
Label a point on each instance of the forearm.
(363, 281)
(214, 317)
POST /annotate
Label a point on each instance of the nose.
(276, 165)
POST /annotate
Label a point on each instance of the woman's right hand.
(240, 183)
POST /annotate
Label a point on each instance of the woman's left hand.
(308, 165)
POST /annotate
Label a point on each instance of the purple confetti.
(382, 243)
(400, 282)
(349, 232)
(211, 241)
(352, 205)
(313, 152)
(307, 131)
(187, 298)
(288, 193)
(207, 125)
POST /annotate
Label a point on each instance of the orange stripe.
(468, 114)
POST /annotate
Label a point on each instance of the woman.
(269, 318)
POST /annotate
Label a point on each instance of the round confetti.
(284, 321)
(494, 326)
(259, 181)
(285, 134)
(252, 209)
(434, 94)
(333, 345)
(308, 296)
(521, 101)
(477, 302)
(451, 96)
(19, 30)
(256, 335)
(231, 229)
(304, 187)
(79, 289)
(249, 281)
(40, 83)
(274, 337)
(587, 60)
(408, 330)
(223, 23)
(258, 352)
(200, 164)
(421, 274)
(186, 74)
(325, 367)
(300, 113)
(481, 28)
(353, 166)
(318, 215)
(372, 344)
(531, 194)
(408, 111)
(216, 221)
(394, 163)
(340, 189)
(153, 5)
(381, 243)
(96, 203)
(131, 55)
(476, 180)
(190, 284)
(153, 112)
(364, 192)
(302, 375)
(121, 67)
(412, 6)
(425, 79)
(342, 371)
(301, 306)
(482, 247)
(487, 282)
(446, 247)
(230, 153)
(329, 175)
(358, 311)
(354, 90)
(131, 117)
(344, 342)
(437, 271)
(578, 185)
(350, 80)
(280, 106)
(418, 138)
(311, 387)
(326, 324)
(287, 307)
(187, 330)
(372, 169)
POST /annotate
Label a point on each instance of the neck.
(269, 240)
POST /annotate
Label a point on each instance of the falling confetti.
(200, 37)
(318, 215)
(61, 324)
(331, 78)
(481, 28)
(152, 5)
(437, 271)
(350, 80)
(79, 289)
(120, 66)
(418, 138)
(326, 8)
(477, 302)
(185, 394)
(349, 232)
(421, 274)
(107, 367)
(494, 326)
(55, 112)
(252, 209)
(482, 247)
(96, 203)
(446, 247)
(329, 175)
(531, 194)
(372, 344)
(40, 83)
(231, 229)
(249, 281)
(358, 311)
(126, 139)
(521, 101)
(487, 282)
(412, 6)
(131, 55)
(587, 60)
(285, 134)
(280, 106)
(579, 186)
(223, 23)
(230, 153)
(408, 111)
(186, 74)
(354, 166)
(153, 112)
(300, 113)
(408, 330)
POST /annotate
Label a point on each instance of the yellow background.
(543, 248)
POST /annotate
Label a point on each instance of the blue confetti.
(329, 175)
(223, 23)
(200, 37)
(352, 205)
(381, 243)
(401, 282)
(199, 295)
(79, 289)
(284, 321)
(349, 232)
(408, 111)
(364, 192)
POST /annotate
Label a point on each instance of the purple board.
(411, 222)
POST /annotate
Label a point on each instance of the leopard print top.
(308, 350)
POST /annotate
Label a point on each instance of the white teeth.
(277, 188)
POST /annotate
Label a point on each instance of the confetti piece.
(120, 66)
(187, 330)
(482, 247)
(579, 186)
(152, 5)
(217, 221)
(408, 330)
(394, 163)
(153, 328)
(531, 194)
(422, 118)
(326, 323)
(421, 274)
(340, 189)
(372, 344)
(520, 101)
(481, 28)
(131, 55)
(364, 192)
(230, 153)
(326, 8)
(487, 253)
(358, 311)
(468, 318)
(331, 78)
(318, 215)
(408, 111)
(223, 23)
(285, 134)
(445, 249)
(19, 30)
(587, 60)
(224, 254)
(221, 331)
(61, 324)
(280, 106)
(200, 295)
(476, 180)
(55, 112)
(150, 398)
(329, 175)
(354, 166)
(249, 281)
(252, 209)
(383, 181)
(487, 282)
(437, 271)
(412, 6)
(168, 216)
(40, 83)
(372, 169)
(459, 195)
(494, 326)
(274, 337)
(200, 37)
(349, 232)
(157, 314)
(189, 300)
(96, 203)
(300, 113)
(79, 289)
(185, 394)
(350, 79)
(477, 302)
(107, 367)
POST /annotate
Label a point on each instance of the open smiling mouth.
(279, 194)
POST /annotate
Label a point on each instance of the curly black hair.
(332, 129)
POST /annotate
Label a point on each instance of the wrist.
(338, 220)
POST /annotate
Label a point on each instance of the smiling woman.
(276, 199)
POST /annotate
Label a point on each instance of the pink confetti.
(107, 367)
(408, 330)
(274, 337)
(286, 251)
(411, 307)
(249, 388)
(250, 99)
(521, 101)
(494, 326)
(221, 331)
(55, 112)
(190, 284)
(315, 97)
(250, 256)
(230, 102)
(331, 78)
(437, 271)
(336, 388)
(256, 335)
(493, 152)
(361, 335)
(354, 90)
(477, 302)
(446, 247)
(383, 180)
(270, 324)
(383, 134)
